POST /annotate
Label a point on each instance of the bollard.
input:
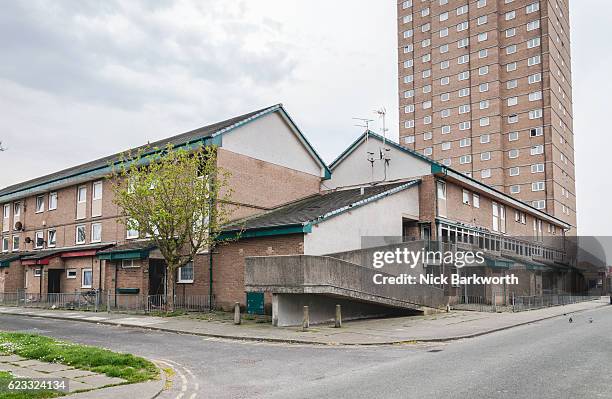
(237, 319)
(338, 316)
(306, 319)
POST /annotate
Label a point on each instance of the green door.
(255, 302)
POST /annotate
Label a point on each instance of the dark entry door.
(54, 277)
(157, 277)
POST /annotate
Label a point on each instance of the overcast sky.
(84, 79)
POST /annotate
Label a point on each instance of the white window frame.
(18, 239)
(71, 274)
(76, 234)
(465, 197)
(51, 244)
(476, 200)
(40, 204)
(93, 227)
(53, 201)
(83, 271)
(40, 234)
(131, 234)
(179, 276)
(93, 191)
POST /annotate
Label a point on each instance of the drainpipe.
(210, 277)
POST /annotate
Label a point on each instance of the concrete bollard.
(338, 323)
(306, 319)
(237, 319)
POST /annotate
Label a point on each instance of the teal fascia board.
(136, 254)
(436, 169)
(127, 290)
(266, 232)
(7, 262)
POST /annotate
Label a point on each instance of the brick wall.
(11, 278)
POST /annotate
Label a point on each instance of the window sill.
(185, 282)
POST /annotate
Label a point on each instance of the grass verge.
(31, 346)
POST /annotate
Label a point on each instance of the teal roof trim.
(266, 232)
(129, 254)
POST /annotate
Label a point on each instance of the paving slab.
(99, 380)
(10, 358)
(50, 367)
(78, 386)
(28, 373)
(29, 363)
(74, 373)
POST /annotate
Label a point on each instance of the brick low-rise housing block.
(62, 232)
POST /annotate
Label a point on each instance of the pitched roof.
(438, 167)
(101, 165)
(45, 253)
(319, 207)
(132, 245)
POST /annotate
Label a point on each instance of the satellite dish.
(18, 226)
(28, 240)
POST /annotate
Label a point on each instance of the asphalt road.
(548, 359)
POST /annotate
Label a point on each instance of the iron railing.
(105, 301)
(498, 302)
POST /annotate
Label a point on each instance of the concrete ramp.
(322, 282)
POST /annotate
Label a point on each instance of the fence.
(500, 303)
(101, 301)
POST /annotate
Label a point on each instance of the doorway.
(157, 277)
(54, 277)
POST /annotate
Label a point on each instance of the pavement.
(433, 328)
(549, 359)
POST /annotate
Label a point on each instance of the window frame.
(76, 238)
(83, 271)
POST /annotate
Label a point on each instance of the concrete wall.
(355, 169)
(379, 219)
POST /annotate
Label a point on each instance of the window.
(446, 129)
(185, 274)
(495, 216)
(512, 101)
(426, 88)
(446, 145)
(80, 234)
(535, 96)
(513, 136)
(462, 10)
(443, 16)
(446, 162)
(408, 93)
(132, 229)
(537, 150)
(444, 81)
(476, 200)
(484, 70)
(465, 159)
(17, 210)
(537, 186)
(408, 78)
(407, 33)
(535, 78)
(463, 75)
(465, 142)
(481, 20)
(129, 264)
(71, 273)
(485, 156)
(39, 239)
(515, 189)
(510, 15)
(445, 113)
(40, 203)
(485, 138)
(52, 201)
(408, 48)
(408, 63)
(482, 36)
(510, 32)
(426, 43)
(463, 59)
(96, 232)
(539, 204)
(536, 131)
(409, 139)
(37, 272)
(444, 64)
(484, 104)
(444, 48)
(462, 26)
(5, 244)
(427, 120)
(7, 211)
(511, 67)
(533, 7)
(515, 171)
(483, 87)
(466, 197)
(407, 18)
(485, 173)
(481, 3)
(409, 123)
(535, 114)
(444, 96)
(511, 84)
(15, 243)
(535, 42)
(408, 109)
(513, 118)
(82, 194)
(533, 25)
(537, 168)
(428, 151)
(464, 109)
(97, 190)
(511, 49)
(425, 12)
(484, 121)
(426, 73)
(86, 278)
(406, 4)
(441, 190)
(427, 136)
(442, 2)
(465, 125)
(483, 53)
(535, 60)
(463, 43)
(426, 58)
(51, 238)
